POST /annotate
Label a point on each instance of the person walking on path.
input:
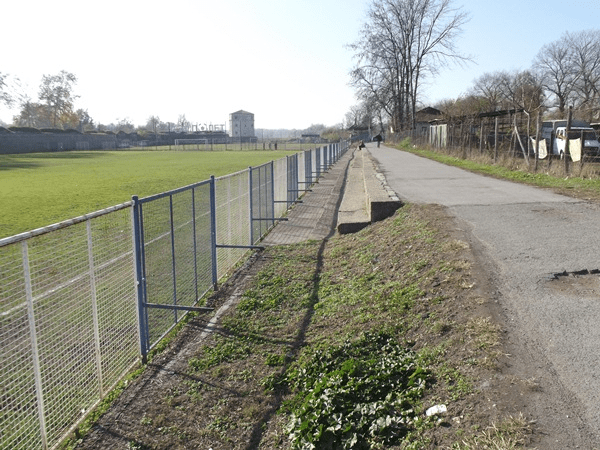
(378, 138)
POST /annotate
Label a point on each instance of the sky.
(286, 61)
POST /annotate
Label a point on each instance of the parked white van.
(590, 146)
(555, 131)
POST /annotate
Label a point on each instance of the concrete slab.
(316, 217)
(367, 198)
(353, 215)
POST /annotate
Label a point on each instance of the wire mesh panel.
(184, 255)
(115, 295)
(202, 240)
(280, 186)
(158, 265)
(308, 168)
(58, 320)
(233, 219)
(177, 263)
(302, 181)
(64, 322)
(292, 186)
(262, 201)
(318, 162)
(19, 418)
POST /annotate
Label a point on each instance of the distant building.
(428, 114)
(241, 124)
(424, 118)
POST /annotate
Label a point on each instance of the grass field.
(39, 189)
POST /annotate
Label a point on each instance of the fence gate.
(174, 234)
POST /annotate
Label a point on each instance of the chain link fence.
(83, 300)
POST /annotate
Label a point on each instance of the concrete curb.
(367, 198)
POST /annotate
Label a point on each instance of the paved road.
(527, 234)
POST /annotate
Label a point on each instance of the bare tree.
(586, 59)
(490, 87)
(183, 124)
(555, 66)
(153, 123)
(362, 114)
(403, 42)
(381, 71)
(522, 90)
(125, 125)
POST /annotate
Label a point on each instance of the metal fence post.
(34, 345)
(138, 250)
(93, 291)
(273, 192)
(195, 243)
(213, 230)
(251, 205)
(288, 181)
(294, 181)
(173, 267)
(260, 203)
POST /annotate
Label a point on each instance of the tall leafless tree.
(183, 124)
(152, 124)
(555, 66)
(490, 87)
(403, 42)
(586, 49)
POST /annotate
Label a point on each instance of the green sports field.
(39, 189)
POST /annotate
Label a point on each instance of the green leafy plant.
(355, 395)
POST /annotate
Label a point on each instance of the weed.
(511, 433)
(360, 392)
(275, 360)
(134, 445)
(145, 420)
(228, 350)
(483, 332)
(457, 384)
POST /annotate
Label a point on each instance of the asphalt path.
(528, 236)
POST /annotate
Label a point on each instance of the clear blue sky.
(283, 60)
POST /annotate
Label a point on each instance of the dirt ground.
(227, 406)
